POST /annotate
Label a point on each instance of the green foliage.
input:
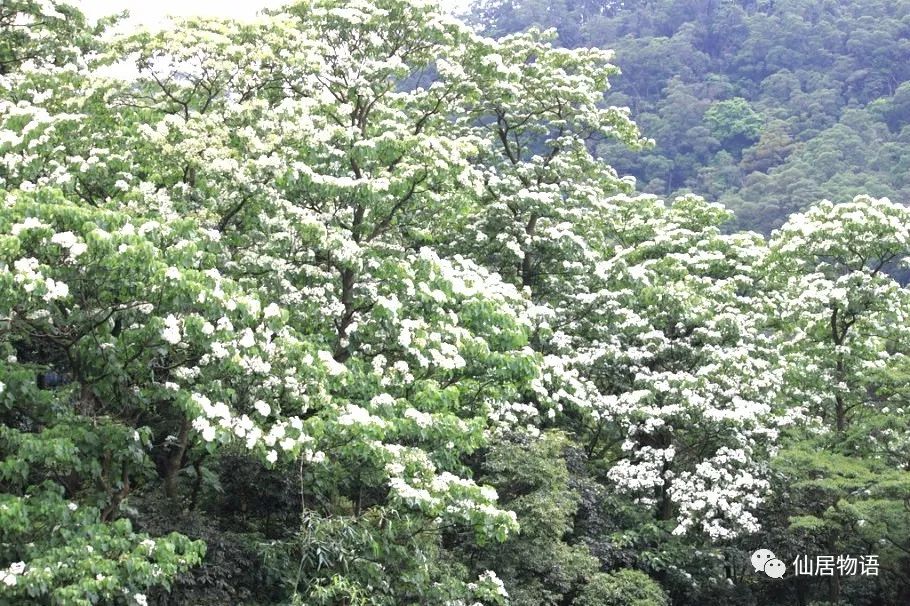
(539, 565)
(621, 588)
(734, 122)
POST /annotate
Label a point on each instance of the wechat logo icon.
(765, 561)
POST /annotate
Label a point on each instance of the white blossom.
(171, 332)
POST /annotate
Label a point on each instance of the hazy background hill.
(764, 105)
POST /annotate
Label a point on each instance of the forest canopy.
(766, 106)
(354, 304)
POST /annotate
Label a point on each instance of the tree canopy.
(767, 107)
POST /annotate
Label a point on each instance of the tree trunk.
(527, 262)
(174, 462)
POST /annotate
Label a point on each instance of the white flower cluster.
(489, 578)
(10, 576)
(720, 492)
(422, 419)
(356, 415)
(27, 224)
(54, 289)
(414, 480)
(217, 419)
(172, 331)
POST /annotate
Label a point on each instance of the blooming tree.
(298, 311)
(664, 350)
(285, 303)
(842, 331)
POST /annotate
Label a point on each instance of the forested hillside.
(766, 106)
(352, 305)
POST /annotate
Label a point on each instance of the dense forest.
(766, 106)
(358, 304)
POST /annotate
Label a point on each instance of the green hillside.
(765, 106)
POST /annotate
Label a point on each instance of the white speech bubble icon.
(760, 558)
(774, 568)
